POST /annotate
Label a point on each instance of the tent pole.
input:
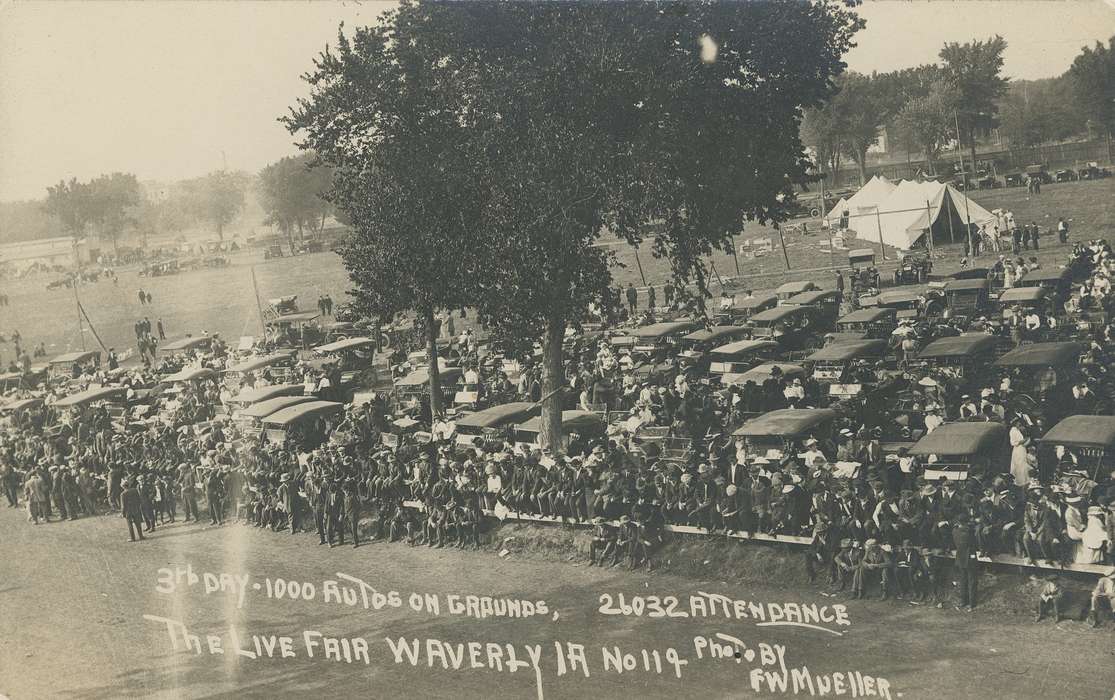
(929, 224)
(952, 236)
(879, 225)
(783, 240)
(968, 216)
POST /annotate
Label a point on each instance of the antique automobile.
(352, 354)
(960, 451)
(760, 373)
(1041, 374)
(1058, 280)
(661, 337)
(490, 423)
(696, 346)
(913, 268)
(74, 362)
(906, 303)
(1066, 175)
(967, 297)
(789, 289)
(113, 395)
(1013, 179)
(294, 330)
(1093, 171)
(15, 407)
(307, 419)
(574, 424)
(1039, 173)
(775, 431)
(416, 384)
(872, 322)
(1025, 299)
(250, 418)
(836, 365)
(248, 397)
(825, 302)
(265, 366)
(186, 345)
(189, 375)
(743, 308)
(404, 437)
(272, 251)
(962, 353)
(728, 361)
(861, 257)
(1091, 439)
(791, 326)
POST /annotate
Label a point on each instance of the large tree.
(563, 120)
(608, 115)
(974, 70)
(217, 198)
(292, 194)
(925, 123)
(1093, 80)
(68, 202)
(112, 202)
(392, 117)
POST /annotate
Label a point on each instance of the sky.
(172, 90)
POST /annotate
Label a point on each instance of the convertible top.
(786, 422)
(962, 439)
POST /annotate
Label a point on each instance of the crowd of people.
(665, 455)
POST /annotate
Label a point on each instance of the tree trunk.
(861, 165)
(553, 378)
(321, 226)
(220, 230)
(431, 355)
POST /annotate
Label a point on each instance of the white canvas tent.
(864, 201)
(911, 209)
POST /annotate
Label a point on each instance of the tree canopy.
(217, 198)
(1093, 79)
(565, 119)
(292, 193)
(974, 71)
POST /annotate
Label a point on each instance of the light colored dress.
(1019, 465)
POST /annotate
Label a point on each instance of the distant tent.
(864, 202)
(911, 209)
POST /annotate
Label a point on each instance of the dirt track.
(73, 597)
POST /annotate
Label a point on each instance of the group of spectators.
(871, 519)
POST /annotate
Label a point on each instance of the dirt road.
(74, 596)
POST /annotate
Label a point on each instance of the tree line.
(116, 207)
(960, 99)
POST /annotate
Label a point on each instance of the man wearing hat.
(603, 541)
(965, 563)
(214, 495)
(132, 507)
(1050, 597)
(1103, 593)
(876, 565)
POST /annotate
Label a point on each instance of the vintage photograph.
(557, 349)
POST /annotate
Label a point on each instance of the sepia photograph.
(555, 349)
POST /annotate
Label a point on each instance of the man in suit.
(188, 482)
(131, 504)
(965, 564)
(214, 494)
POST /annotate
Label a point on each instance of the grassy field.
(223, 301)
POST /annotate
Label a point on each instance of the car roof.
(788, 422)
(1042, 355)
(961, 439)
(850, 350)
(1083, 431)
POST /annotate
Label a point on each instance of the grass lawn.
(223, 301)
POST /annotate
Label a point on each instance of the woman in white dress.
(1019, 464)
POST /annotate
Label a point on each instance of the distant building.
(60, 250)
